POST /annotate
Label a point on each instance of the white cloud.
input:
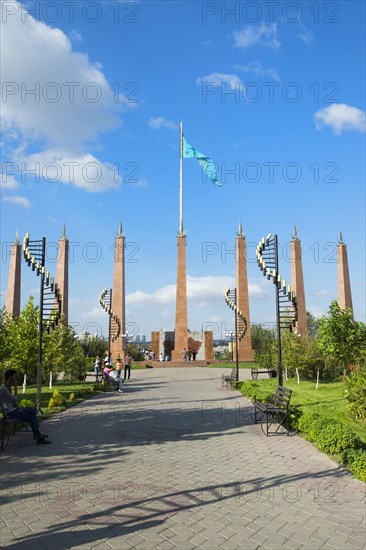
(161, 122)
(18, 201)
(323, 292)
(251, 35)
(72, 103)
(205, 291)
(305, 35)
(341, 117)
(259, 70)
(85, 171)
(8, 182)
(233, 81)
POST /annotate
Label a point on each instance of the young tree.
(341, 337)
(262, 339)
(23, 341)
(4, 334)
(62, 352)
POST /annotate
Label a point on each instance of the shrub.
(331, 435)
(57, 400)
(355, 460)
(26, 403)
(356, 394)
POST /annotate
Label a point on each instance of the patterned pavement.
(174, 462)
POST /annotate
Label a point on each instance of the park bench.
(226, 379)
(109, 384)
(275, 411)
(272, 373)
(8, 425)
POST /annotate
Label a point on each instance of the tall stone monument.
(245, 351)
(119, 345)
(297, 283)
(62, 273)
(13, 292)
(181, 317)
(344, 283)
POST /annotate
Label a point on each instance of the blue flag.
(208, 166)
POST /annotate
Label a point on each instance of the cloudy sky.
(92, 95)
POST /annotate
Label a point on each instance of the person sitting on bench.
(11, 409)
(110, 374)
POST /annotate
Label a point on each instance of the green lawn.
(231, 365)
(85, 388)
(329, 398)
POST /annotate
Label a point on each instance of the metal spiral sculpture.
(230, 299)
(105, 301)
(267, 259)
(51, 301)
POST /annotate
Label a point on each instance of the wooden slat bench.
(226, 379)
(276, 411)
(272, 373)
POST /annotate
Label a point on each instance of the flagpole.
(180, 178)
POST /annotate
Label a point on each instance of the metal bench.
(276, 411)
(109, 383)
(226, 379)
(6, 425)
(272, 373)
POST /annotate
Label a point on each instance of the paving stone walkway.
(174, 462)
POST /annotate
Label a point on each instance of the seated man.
(111, 374)
(11, 409)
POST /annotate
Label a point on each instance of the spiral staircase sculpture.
(286, 303)
(105, 301)
(51, 301)
(240, 323)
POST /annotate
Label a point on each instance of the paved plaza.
(174, 462)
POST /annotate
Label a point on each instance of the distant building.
(138, 339)
(143, 339)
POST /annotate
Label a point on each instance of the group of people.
(189, 355)
(111, 373)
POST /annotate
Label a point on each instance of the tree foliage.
(63, 352)
(342, 338)
(263, 339)
(22, 338)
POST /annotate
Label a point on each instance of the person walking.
(127, 362)
(184, 354)
(97, 368)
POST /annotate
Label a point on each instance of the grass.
(231, 365)
(85, 388)
(329, 398)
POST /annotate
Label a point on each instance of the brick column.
(118, 294)
(208, 339)
(13, 292)
(245, 351)
(181, 319)
(62, 273)
(344, 283)
(297, 283)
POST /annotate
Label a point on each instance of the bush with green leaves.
(57, 400)
(355, 461)
(356, 393)
(331, 435)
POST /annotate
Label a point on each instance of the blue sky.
(274, 96)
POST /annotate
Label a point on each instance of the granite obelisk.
(62, 273)
(119, 346)
(245, 351)
(297, 283)
(344, 283)
(13, 291)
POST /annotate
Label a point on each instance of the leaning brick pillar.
(118, 295)
(245, 350)
(297, 283)
(344, 283)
